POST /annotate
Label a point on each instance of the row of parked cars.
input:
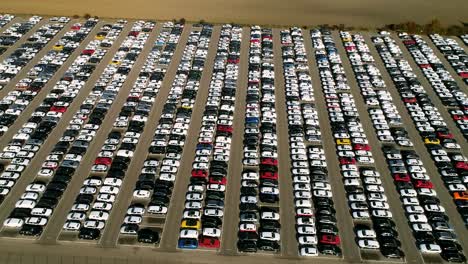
(16, 31)
(46, 116)
(204, 201)
(21, 56)
(59, 167)
(28, 140)
(150, 79)
(368, 203)
(153, 189)
(431, 227)
(5, 19)
(443, 83)
(100, 190)
(316, 224)
(407, 170)
(440, 142)
(454, 54)
(259, 219)
(38, 76)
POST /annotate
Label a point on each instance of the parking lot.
(128, 141)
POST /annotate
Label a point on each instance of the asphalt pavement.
(47, 249)
(349, 248)
(231, 213)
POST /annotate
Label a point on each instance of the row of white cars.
(454, 53)
(316, 226)
(204, 201)
(101, 189)
(60, 165)
(12, 66)
(153, 189)
(399, 158)
(441, 80)
(367, 200)
(15, 32)
(259, 225)
(5, 19)
(431, 226)
(149, 181)
(29, 139)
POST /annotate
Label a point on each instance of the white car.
(98, 215)
(308, 240)
(72, 226)
(211, 232)
(34, 220)
(308, 251)
(188, 233)
(272, 236)
(157, 209)
(430, 248)
(368, 244)
(366, 234)
(13, 223)
(421, 227)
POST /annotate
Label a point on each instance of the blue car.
(252, 120)
(188, 243)
(204, 146)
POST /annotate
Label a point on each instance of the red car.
(409, 42)
(409, 100)
(460, 117)
(218, 180)
(224, 128)
(401, 177)
(269, 161)
(441, 135)
(76, 27)
(88, 52)
(134, 33)
(424, 65)
(200, 173)
(423, 184)
(464, 74)
(103, 161)
(233, 61)
(208, 242)
(58, 109)
(330, 239)
(269, 175)
(362, 147)
(345, 161)
(461, 165)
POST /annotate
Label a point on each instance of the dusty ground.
(270, 12)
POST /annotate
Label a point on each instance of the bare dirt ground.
(368, 13)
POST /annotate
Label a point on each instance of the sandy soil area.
(266, 12)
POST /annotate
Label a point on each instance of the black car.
(268, 245)
(392, 252)
(211, 221)
(247, 236)
(89, 233)
(329, 250)
(453, 256)
(31, 230)
(148, 236)
(247, 246)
